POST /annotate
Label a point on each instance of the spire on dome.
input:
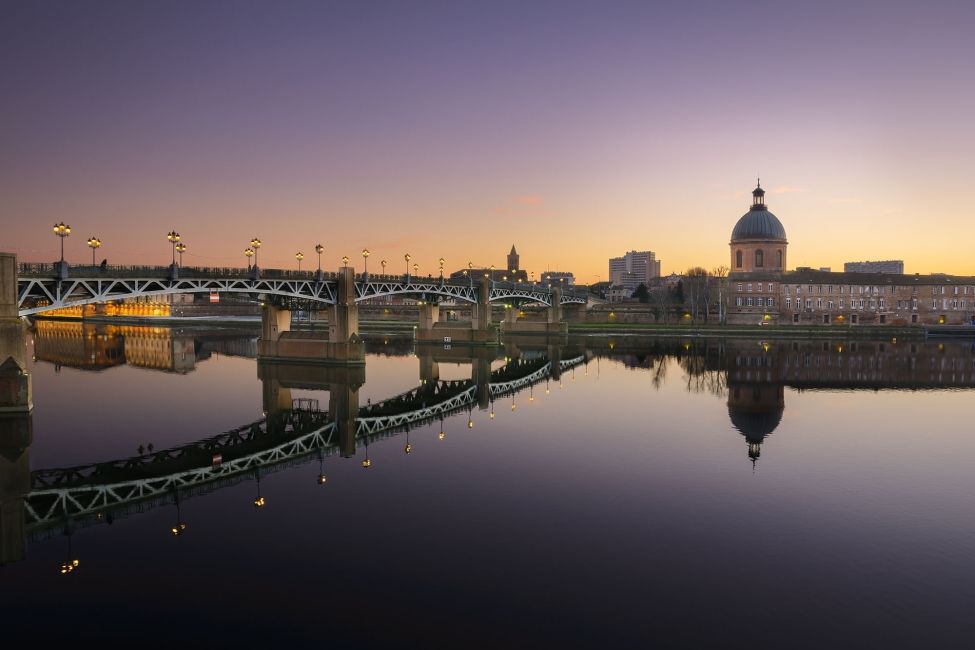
(758, 196)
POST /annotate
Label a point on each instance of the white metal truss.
(37, 294)
(368, 290)
(50, 506)
(535, 294)
(82, 291)
(54, 505)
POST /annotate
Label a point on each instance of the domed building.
(758, 241)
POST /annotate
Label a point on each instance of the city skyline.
(454, 131)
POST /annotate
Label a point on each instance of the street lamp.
(345, 261)
(62, 231)
(319, 249)
(255, 244)
(299, 256)
(365, 261)
(383, 263)
(442, 260)
(407, 257)
(173, 238)
(249, 252)
(416, 268)
(93, 243)
(181, 248)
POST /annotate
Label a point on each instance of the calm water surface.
(678, 493)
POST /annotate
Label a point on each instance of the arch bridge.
(42, 288)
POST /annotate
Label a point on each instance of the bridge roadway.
(40, 289)
(92, 494)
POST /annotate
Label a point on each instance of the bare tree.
(720, 275)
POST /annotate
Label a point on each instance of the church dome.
(755, 425)
(758, 223)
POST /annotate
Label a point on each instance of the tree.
(696, 291)
(642, 294)
(720, 274)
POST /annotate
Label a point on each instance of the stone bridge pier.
(479, 331)
(16, 403)
(341, 345)
(553, 325)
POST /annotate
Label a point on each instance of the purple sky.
(575, 130)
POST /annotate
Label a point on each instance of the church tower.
(513, 259)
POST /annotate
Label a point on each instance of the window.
(795, 318)
(770, 289)
(819, 303)
(750, 301)
(825, 319)
(808, 303)
(788, 303)
(738, 301)
(913, 318)
(739, 287)
(770, 302)
(853, 319)
(830, 305)
(749, 286)
(759, 258)
(738, 259)
(842, 300)
(780, 259)
(882, 303)
(883, 318)
(914, 306)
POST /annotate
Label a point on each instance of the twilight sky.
(574, 130)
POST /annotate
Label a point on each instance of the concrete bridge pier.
(553, 325)
(343, 407)
(481, 376)
(429, 368)
(479, 331)
(340, 346)
(16, 403)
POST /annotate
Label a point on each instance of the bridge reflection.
(47, 502)
(752, 376)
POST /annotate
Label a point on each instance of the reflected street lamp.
(62, 231)
(93, 243)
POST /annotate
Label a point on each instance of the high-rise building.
(633, 269)
(885, 266)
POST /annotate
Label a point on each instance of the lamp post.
(93, 243)
(407, 257)
(345, 261)
(255, 244)
(442, 260)
(62, 231)
(365, 262)
(299, 256)
(249, 252)
(319, 249)
(416, 268)
(181, 248)
(173, 238)
(383, 263)
(470, 272)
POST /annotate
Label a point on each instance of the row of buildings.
(761, 289)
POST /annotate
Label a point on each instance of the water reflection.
(294, 430)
